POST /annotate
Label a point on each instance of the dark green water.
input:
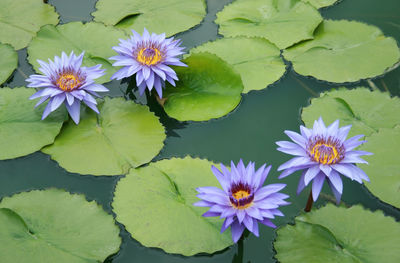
(249, 132)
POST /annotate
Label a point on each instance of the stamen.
(241, 196)
(149, 56)
(325, 150)
(68, 81)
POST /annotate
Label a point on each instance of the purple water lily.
(64, 80)
(323, 153)
(243, 202)
(149, 57)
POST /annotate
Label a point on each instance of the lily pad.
(283, 22)
(55, 226)
(162, 195)
(339, 235)
(344, 51)
(320, 3)
(256, 60)
(167, 16)
(8, 62)
(94, 38)
(20, 20)
(365, 110)
(384, 166)
(21, 129)
(122, 136)
(208, 88)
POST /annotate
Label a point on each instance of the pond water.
(249, 132)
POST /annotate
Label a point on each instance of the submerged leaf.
(95, 39)
(384, 165)
(339, 235)
(8, 62)
(344, 51)
(20, 20)
(55, 226)
(283, 22)
(365, 110)
(163, 194)
(208, 88)
(256, 60)
(122, 136)
(166, 16)
(21, 129)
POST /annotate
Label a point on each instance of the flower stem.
(310, 202)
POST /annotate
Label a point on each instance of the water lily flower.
(244, 201)
(65, 81)
(149, 57)
(323, 153)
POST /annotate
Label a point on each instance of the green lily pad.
(20, 20)
(384, 166)
(365, 110)
(339, 235)
(283, 22)
(55, 226)
(94, 38)
(344, 51)
(8, 62)
(21, 129)
(167, 16)
(162, 194)
(320, 3)
(256, 60)
(208, 88)
(122, 136)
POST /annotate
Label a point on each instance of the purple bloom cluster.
(323, 153)
(243, 200)
(149, 57)
(65, 81)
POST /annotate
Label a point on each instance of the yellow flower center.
(325, 153)
(241, 196)
(149, 56)
(68, 82)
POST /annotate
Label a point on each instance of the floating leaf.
(155, 203)
(21, 129)
(208, 88)
(384, 166)
(339, 235)
(255, 59)
(20, 20)
(365, 110)
(55, 226)
(122, 136)
(320, 3)
(283, 22)
(344, 51)
(167, 16)
(8, 62)
(94, 38)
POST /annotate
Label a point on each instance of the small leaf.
(163, 194)
(122, 136)
(208, 88)
(8, 62)
(55, 226)
(320, 3)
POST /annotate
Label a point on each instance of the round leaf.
(55, 226)
(256, 60)
(320, 3)
(95, 39)
(21, 129)
(8, 62)
(344, 51)
(384, 166)
(339, 235)
(122, 136)
(20, 20)
(167, 16)
(208, 88)
(163, 194)
(365, 110)
(283, 22)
